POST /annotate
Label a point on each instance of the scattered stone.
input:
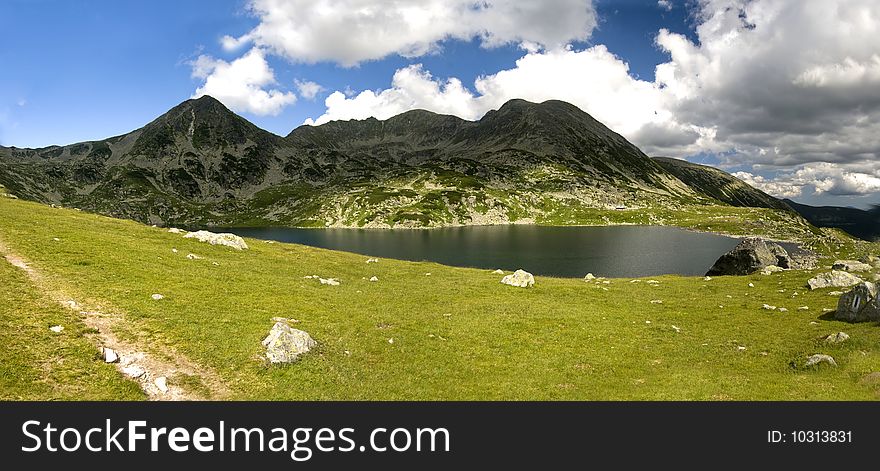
(814, 323)
(269, 241)
(635, 281)
(769, 307)
(498, 272)
(804, 308)
(109, 355)
(835, 279)
(173, 250)
(707, 278)
(374, 279)
(133, 371)
(57, 329)
(656, 301)
(427, 274)
(741, 348)
(157, 297)
(589, 277)
(676, 329)
(520, 279)
(782, 309)
(751, 285)
(837, 338)
(653, 282)
(769, 270)
(175, 230)
(851, 265)
(391, 340)
(749, 256)
(818, 358)
(372, 260)
(193, 256)
(329, 281)
(162, 383)
(835, 293)
(229, 240)
(860, 304)
(284, 344)
(215, 264)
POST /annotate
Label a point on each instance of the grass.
(38, 364)
(457, 334)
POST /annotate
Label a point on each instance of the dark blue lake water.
(614, 251)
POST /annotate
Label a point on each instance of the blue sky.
(733, 73)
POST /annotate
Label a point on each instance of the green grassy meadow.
(456, 334)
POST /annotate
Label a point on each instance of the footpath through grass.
(454, 334)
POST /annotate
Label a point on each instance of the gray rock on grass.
(284, 344)
(860, 304)
(520, 279)
(835, 279)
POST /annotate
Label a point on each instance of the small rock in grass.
(818, 358)
(589, 277)
(751, 285)
(173, 250)
(653, 282)
(215, 264)
(193, 256)
(769, 307)
(57, 329)
(285, 344)
(677, 329)
(839, 337)
(157, 297)
(498, 272)
(427, 274)
(175, 230)
(741, 348)
(109, 355)
(374, 279)
(229, 240)
(372, 260)
(519, 279)
(56, 239)
(162, 383)
(835, 279)
(836, 293)
(782, 309)
(329, 281)
(804, 308)
(656, 301)
(391, 340)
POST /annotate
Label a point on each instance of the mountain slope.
(200, 164)
(855, 222)
(718, 184)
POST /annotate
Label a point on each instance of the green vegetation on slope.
(458, 333)
(38, 364)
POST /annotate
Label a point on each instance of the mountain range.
(200, 164)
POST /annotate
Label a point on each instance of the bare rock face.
(851, 265)
(229, 240)
(285, 344)
(520, 279)
(835, 279)
(861, 304)
(749, 256)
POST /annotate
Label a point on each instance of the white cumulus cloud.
(352, 31)
(244, 85)
(308, 89)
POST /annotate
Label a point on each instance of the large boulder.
(284, 344)
(835, 279)
(520, 279)
(749, 256)
(860, 304)
(229, 240)
(851, 265)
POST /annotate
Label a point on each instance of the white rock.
(804, 308)
(769, 307)
(193, 256)
(498, 272)
(391, 340)
(284, 344)
(162, 383)
(837, 338)
(228, 240)
(110, 356)
(374, 279)
(835, 279)
(329, 281)
(372, 260)
(782, 309)
(677, 329)
(57, 329)
(656, 301)
(56, 239)
(769, 270)
(175, 230)
(751, 285)
(707, 278)
(157, 297)
(520, 279)
(173, 250)
(820, 358)
(133, 371)
(589, 277)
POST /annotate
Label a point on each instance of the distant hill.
(718, 184)
(201, 164)
(855, 222)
